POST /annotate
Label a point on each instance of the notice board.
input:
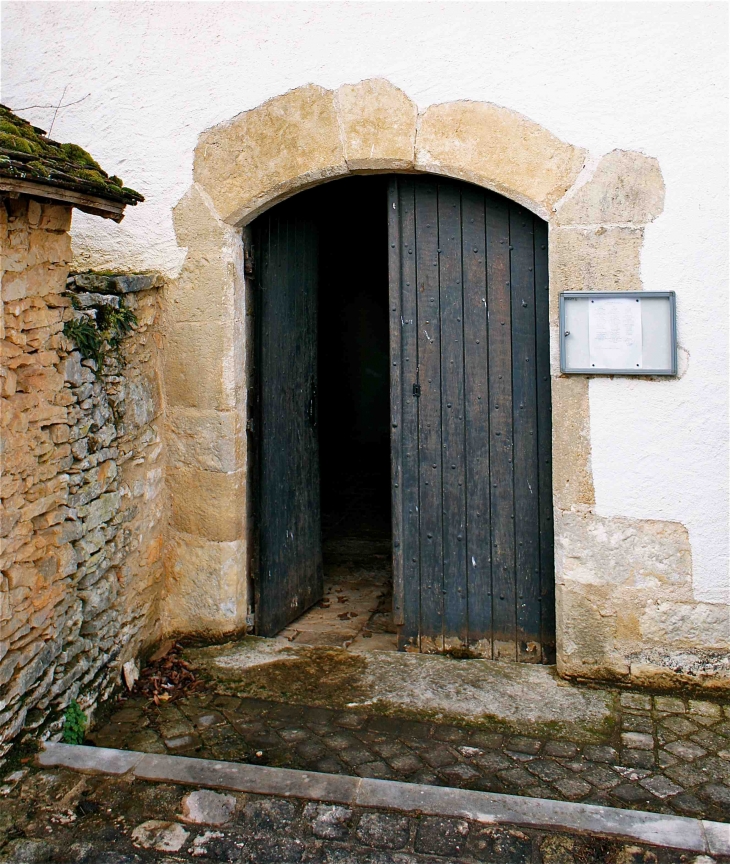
(618, 333)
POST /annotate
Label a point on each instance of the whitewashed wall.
(648, 77)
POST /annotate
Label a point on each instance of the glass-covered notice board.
(618, 333)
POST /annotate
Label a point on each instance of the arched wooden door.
(471, 422)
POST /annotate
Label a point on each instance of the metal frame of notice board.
(567, 296)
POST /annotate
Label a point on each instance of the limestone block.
(100, 511)
(585, 630)
(500, 149)
(686, 625)
(48, 247)
(206, 588)
(142, 402)
(200, 366)
(34, 213)
(160, 835)
(270, 152)
(208, 504)
(205, 807)
(626, 187)
(210, 440)
(572, 473)
(55, 217)
(642, 553)
(378, 123)
(594, 259)
(206, 287)
(99, 597)
(37, 281)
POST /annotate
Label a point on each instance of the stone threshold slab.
(675, 832)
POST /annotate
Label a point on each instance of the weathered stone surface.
(330, 821)
(378, 124)
(500, 149)
(206, 588)
(624, 585)
(636, 553)
(524, 697)
(267, 153)
(205, 807)
(121, 284)
(207, 503)
(594, 259)
(160, 835)
(572, 474)
(199, 366)
(207, 440)
(689, 624)
(206, 289)
(626, 188)
(383, 831)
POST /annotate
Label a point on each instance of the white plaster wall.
(650, 77)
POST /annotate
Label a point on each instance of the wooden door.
(289, 552)
(471, 424)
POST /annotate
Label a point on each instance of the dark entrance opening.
(354, 411)
(349, 406)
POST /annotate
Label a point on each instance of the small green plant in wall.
(94, 336)
(74, 724)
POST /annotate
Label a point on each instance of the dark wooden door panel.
(499, 336)
(428, 444)
(453, 445)
(290, 575)
(471, 451)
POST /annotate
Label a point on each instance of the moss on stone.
(65, 165)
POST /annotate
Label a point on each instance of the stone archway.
(596, 209)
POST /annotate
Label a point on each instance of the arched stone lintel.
(310, 135)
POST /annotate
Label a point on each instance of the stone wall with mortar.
(82, 483)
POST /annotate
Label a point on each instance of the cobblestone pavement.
(65, 818)
(666, 754)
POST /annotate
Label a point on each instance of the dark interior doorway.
(354, 409)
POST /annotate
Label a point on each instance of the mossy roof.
(27, 154)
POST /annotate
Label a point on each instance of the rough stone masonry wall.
(81, 482)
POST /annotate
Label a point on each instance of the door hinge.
(416, 390)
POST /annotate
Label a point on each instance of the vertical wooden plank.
(524, 419)
(396, 413)
(455, 599)
(500, 428)
(408, 635)
(476, 406)
(429, 416)
(544, 442)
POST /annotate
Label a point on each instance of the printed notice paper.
(614, 333)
